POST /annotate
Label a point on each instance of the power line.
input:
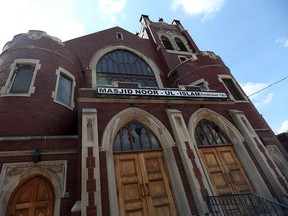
(268, 86)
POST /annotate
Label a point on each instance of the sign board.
(160, 93)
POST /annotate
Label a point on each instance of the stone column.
(90, 169)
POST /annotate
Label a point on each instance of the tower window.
(232, 88)
(64, 92)
(180, 45)
(166, 42)
(21, 79)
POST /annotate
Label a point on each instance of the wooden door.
(142, 185)
(225, 170)
(35, 197)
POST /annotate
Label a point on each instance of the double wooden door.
(35, 197)
(143, 185)
(225, 170)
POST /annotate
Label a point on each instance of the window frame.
(62, 72)
(181, 46)
(5, 90)
(122, 65)
(236, 87)
(202, 84)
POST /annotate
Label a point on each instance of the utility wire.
(268, 86)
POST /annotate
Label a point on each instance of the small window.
(64, 88)
(182, 58)
(180, 45)
(232, 88)
(166, 42)
(119, 35)
(203, 86)
(21, 78)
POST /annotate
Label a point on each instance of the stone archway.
(164, 138)
(237, 140)
(33, 197)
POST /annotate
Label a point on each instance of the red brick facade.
(75, 144)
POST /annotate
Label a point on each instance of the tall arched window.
(122, 65)
(135, 136)
(209, 133)
(180, 44)
(166, 42)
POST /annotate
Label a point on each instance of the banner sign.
(160, 93)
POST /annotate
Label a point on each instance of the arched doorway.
(142, 180)
(220, 160)
(34, 197)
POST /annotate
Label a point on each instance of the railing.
(244, 204)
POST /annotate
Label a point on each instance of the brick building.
(114, 123)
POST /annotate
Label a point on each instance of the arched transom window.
(124, 66)
(135, 136)
(209, 133)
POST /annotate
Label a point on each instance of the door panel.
(129, 185)
(143, 177)
(234, 170)
(225, 170)
(216, 171)
(154, 174)
(35, 197)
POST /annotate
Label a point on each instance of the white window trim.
(221, 77)
(4, 91)
(60, 71)
(119, 35)
(181, 56)
(197, 82)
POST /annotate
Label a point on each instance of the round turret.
(39, 78)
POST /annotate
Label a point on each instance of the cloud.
(284, 127)
(283, 40)
(207, 8)
(260, 98)
(57, 18)
(109, 9)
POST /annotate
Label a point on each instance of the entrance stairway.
(244, 204)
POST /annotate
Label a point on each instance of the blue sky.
(251, 36)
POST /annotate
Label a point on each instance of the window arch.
(134, 136)
(180, 44)
(124, 66)
(166, 42)
(209, 133)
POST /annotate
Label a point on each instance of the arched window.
(122, 65)
(209, 133)
(180, 44)
(166, 42)
(134, 136)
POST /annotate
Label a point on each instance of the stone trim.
(12, 174)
